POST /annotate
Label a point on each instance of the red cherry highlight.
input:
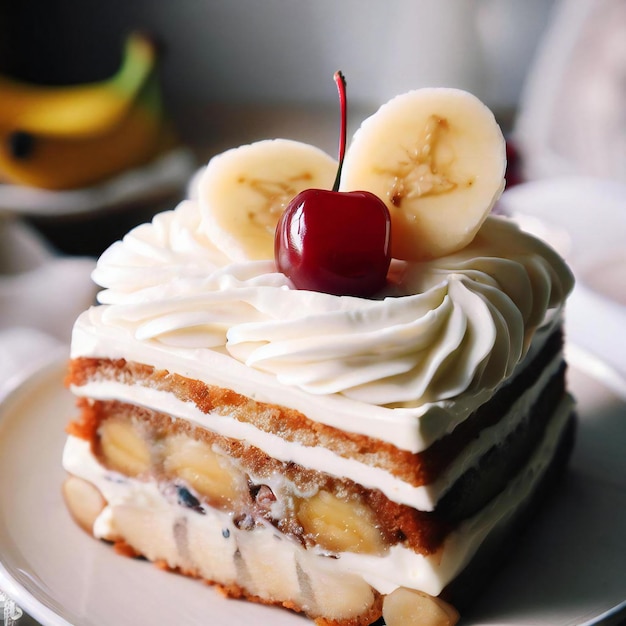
(335, 242)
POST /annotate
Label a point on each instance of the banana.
(410, 607)
(73, 136)
(79, 110)
(436, 157)
(123, 447)
(211, 474)
(84, 501)
(243, 192)
(340, 525)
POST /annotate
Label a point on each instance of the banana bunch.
(435, 156)
(74, 136)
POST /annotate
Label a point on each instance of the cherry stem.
(341, 87)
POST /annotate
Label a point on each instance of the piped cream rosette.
(454, 323)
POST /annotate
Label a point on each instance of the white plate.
(164, 174)
(570, 570)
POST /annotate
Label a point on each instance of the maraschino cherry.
(335, 242)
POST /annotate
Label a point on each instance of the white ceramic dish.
(570, 571)
(163, 175)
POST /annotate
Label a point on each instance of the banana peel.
(75, 136)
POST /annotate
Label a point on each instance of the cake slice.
(347, 457)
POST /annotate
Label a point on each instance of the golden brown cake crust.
(292, 425)
(422, 531)
(416, 469)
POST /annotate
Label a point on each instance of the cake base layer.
(258, 563)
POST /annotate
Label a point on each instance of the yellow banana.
(436, 157)
(243, 192)
(340, 525)
(73, 136)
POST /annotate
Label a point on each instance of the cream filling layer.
(400, 567)
(413, 429)
(424, 497)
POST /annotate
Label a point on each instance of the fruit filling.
(198, 473)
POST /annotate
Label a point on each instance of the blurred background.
(284, 51)
(234, 71)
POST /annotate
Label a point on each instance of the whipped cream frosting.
(455, 324)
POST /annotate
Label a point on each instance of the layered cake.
(259, 409)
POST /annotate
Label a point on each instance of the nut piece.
(84, 501)
(409, 607)
(340, 525)
(123, 447)
(211, 474)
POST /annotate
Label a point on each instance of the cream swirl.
(455, 324)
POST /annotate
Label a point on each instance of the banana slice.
(244, 191)
(436, 157)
